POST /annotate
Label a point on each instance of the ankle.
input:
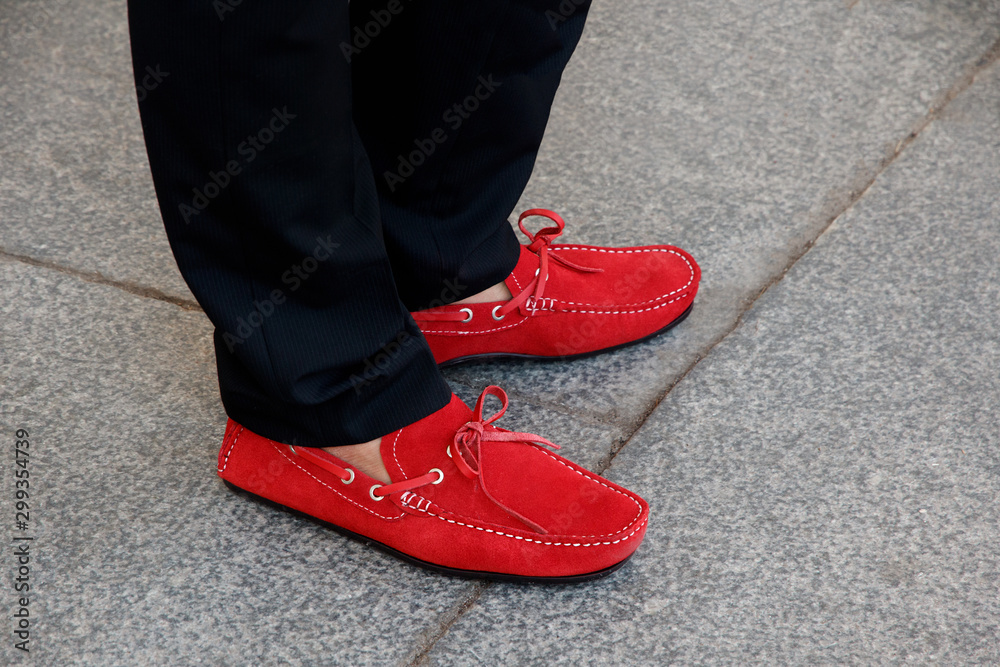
(498, 292)
(366, 457)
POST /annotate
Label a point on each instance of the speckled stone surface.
(733, 130)
(729, 130)
(75, 186)
(583, 438)
(825, 485)
(144, 557)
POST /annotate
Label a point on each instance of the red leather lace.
(465, 451)
(466, 448)
(539, 245)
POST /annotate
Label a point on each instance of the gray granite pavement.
(736, 131)
(824, 477)
(825, 485)
(143, 556)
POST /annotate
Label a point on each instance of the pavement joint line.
(556, 407)
(967, 79)
(964, 81)
(594, 419)
(100, 279)
(419, 656)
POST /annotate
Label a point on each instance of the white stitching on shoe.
(614, 251)
(406, 498)
(534, 305)
(225, 459)
(595, 481)
(552, 306)
(630, 305)
(528, 539)
(409, 495)
(624, 312)
(294, 463)
(483, 331)
(425, 508)
(394, 441)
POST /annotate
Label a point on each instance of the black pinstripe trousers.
(323, 168)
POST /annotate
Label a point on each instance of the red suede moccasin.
(466, 498)
(569, 301)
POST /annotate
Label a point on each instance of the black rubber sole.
(496, 356)
(449, 571)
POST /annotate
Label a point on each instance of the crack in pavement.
(100, 279)
(992, 55)
(857, 192)
(420, 655)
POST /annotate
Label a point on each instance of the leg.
(484, 75)
(271, 210)
(450, 165)
(284, 250)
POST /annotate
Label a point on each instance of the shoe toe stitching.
(596, 480)
(679, 290)
(408, 498)
(626, 312)
(542, 542)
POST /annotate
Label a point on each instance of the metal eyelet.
(468, 312)
(448, 451)
(440, 475)
(349, 479)
(538, 270)
(371, 492)
(495, 309)
(293, 450)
